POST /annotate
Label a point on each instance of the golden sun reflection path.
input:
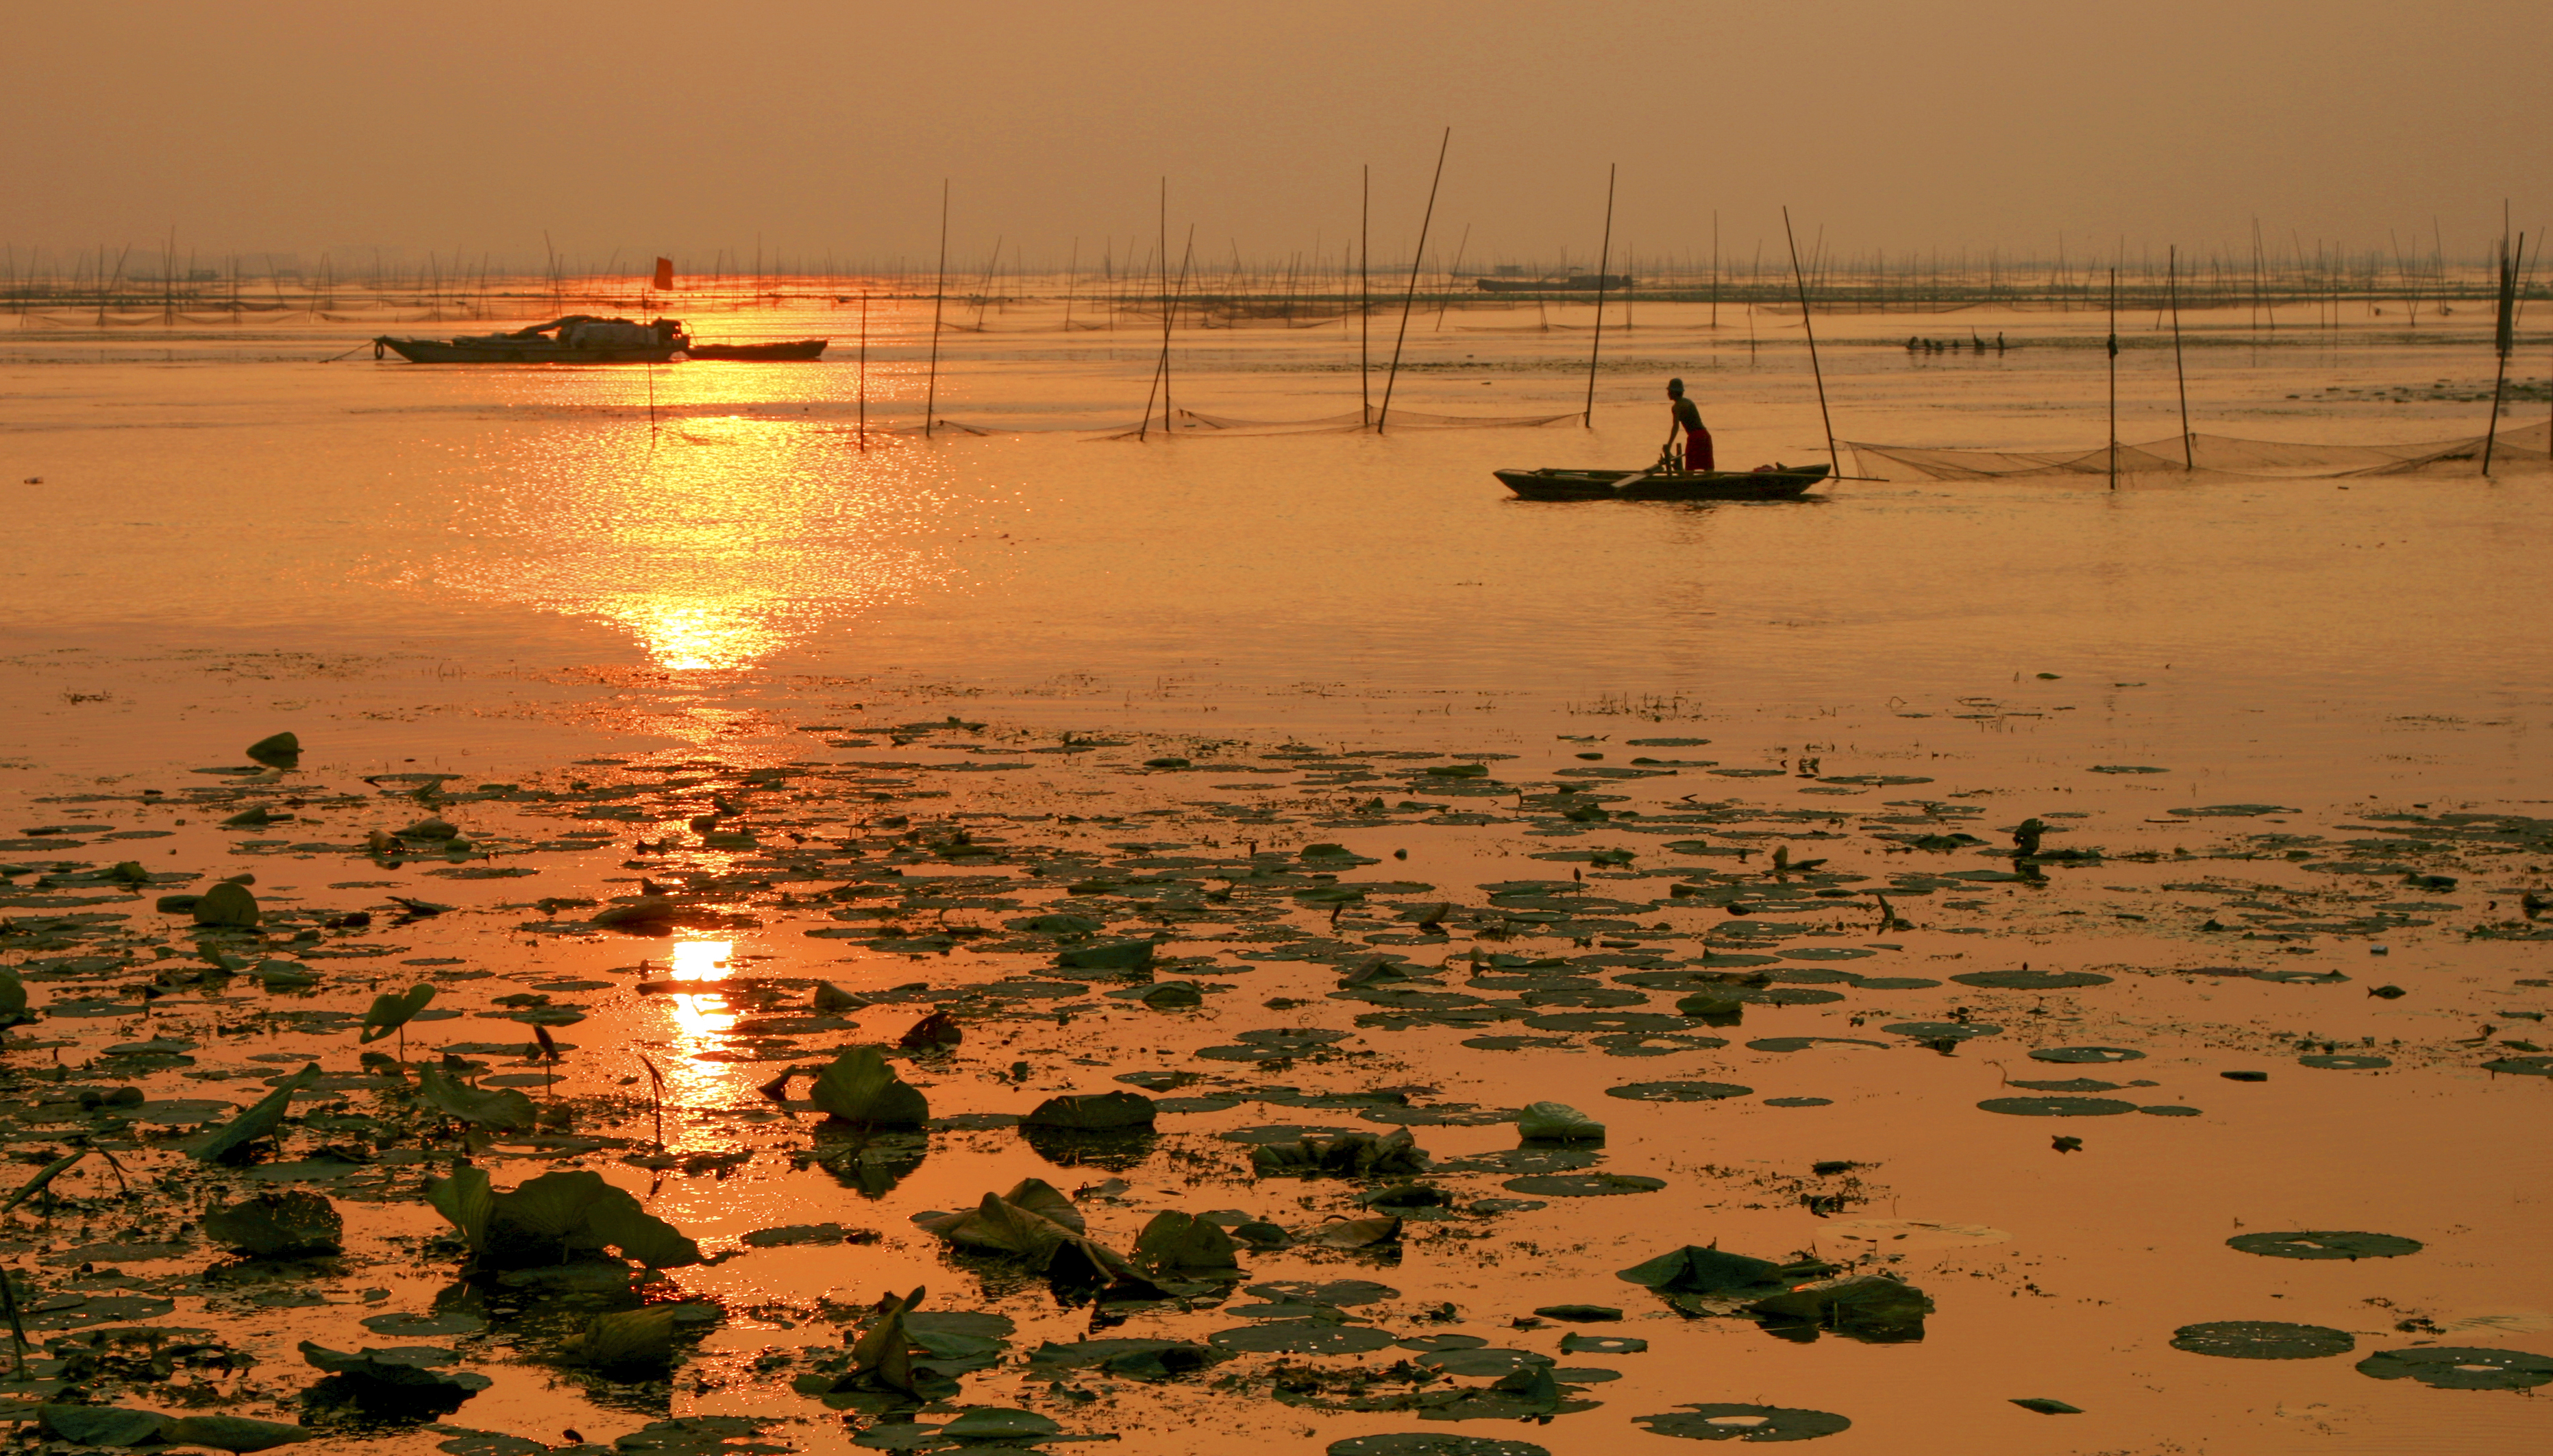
(701, 1021)
(713, 541)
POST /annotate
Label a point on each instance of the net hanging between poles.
(2227, 458)
(1191, 422)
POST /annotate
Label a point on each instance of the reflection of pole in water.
(864, 369)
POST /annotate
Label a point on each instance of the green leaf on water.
(860, 1088)
(2454, 1368)
(390, 1012)
(498, 1108)
(2325, 1244)
(466, 1201)
(225, 1143)
(2261, 1339)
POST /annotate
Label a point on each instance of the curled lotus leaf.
(860, 1088)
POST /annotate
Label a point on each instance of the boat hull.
(793, 349)
(516, 351)
(1708, 485)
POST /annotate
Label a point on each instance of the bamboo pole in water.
(2114, 378)
(938, 296)
(1411, 297)
(2504, 340)
(1365, 296)
(2180, 375)
(1604, 256)
(1834, 463)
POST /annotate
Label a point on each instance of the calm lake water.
(613, 576)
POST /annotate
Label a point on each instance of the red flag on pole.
(665, 275)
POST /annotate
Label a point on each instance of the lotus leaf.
(2456, 1368)
(1097, 1112)
(225, 1143)
(859, 1088)
(2261, 1339)
(227, 905)
(1175, 1243)
(270, 1225)
(389, 1013)
(233, 1432)
(2325, 1244)
(1730, 1422)
(102, 1425)
(498, 1108)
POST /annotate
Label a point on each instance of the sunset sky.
(641, 126)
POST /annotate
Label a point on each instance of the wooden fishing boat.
(785, 350)
(1773, 483)
(576, 339)
(1576, 283)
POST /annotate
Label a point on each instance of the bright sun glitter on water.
(714, 543)
(701, 1017)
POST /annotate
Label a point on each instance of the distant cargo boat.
(576, 339)
(1575, 283)
(785, 350)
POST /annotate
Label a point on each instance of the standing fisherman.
(1682, 415)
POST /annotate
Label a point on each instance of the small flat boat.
(1771, 482)
(787, 349)
(576, 339)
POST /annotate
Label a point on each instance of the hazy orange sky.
(637, 126)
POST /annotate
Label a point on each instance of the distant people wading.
(1682, 415)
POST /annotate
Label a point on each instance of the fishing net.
(2228, 457)
(1190, 422)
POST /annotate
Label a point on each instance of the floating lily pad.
(2085, 1053)
(1583, 1184)
(1897, 983)
(1457, 1116)
(1345, 1293)
(2168, 1110)
(2125, 768)
(1576, 1344)
(1428, 1443)
(1799, 1101)
(1678, 1091)
(2263, 1339)
(2056, 1107)
(1826, 952)
(1937, 1031)
(2326, 1244)
(1299, 1337)
(2461, 1367)
(2233, 811)
(1483, 1361)
(1650, 1022)
(2071, 1085)
(2522, 1065)
(1728, 1423)
(2045, 1406)
(1801, 1044)
(2031, 980)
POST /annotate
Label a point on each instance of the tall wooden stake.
(1364, 295)
(1167, 306)
(2504, 339)
(2188, 450)
(938, 296)
(1834, 462)
(2114, 378)
(1604, 256)
(1411, 297)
